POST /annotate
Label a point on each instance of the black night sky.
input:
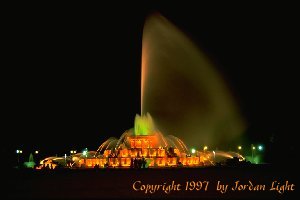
(71, 77)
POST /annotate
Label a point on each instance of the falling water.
(183, 91)
(178, 143)
(221, 156)
(143, 126)
(109, 143)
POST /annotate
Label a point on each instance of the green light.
(260, 147)
(143, 125)
(193, 150)
(30, 163)
(84, 152)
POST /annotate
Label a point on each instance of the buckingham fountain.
(142, 143)
(206, 113)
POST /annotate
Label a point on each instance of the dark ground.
(117, 183)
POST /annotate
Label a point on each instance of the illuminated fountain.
(188, 98)
(146, 142)
(143, 141)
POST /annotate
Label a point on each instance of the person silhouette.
(131, 163)
(143, 162)
(135, 163)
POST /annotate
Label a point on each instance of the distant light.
(205, 148)
(239, 147)
(84, 153)
(36, 152)
(65, 155)
(253, 148)
(193, 150)
(260, 147)
(74, 151)
(19, 151)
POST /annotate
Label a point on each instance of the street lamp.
(73, 151)
(205, 148)
(260, 148)
(239, 147)
(252, 149)
(18, 153)
(65, 159)
(36, 152)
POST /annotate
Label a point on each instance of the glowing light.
(239, 147)
(253, 148)
(73, 151)
(36, 152)
(85, 152)
(30, 163)
(260, 147)
(193, 150)
(205, 148)
(19, 151)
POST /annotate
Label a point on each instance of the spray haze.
(182, 90)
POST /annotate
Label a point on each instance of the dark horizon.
(74, 81)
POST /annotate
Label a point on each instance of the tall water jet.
(182, 90)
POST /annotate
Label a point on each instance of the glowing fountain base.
(141, 147)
